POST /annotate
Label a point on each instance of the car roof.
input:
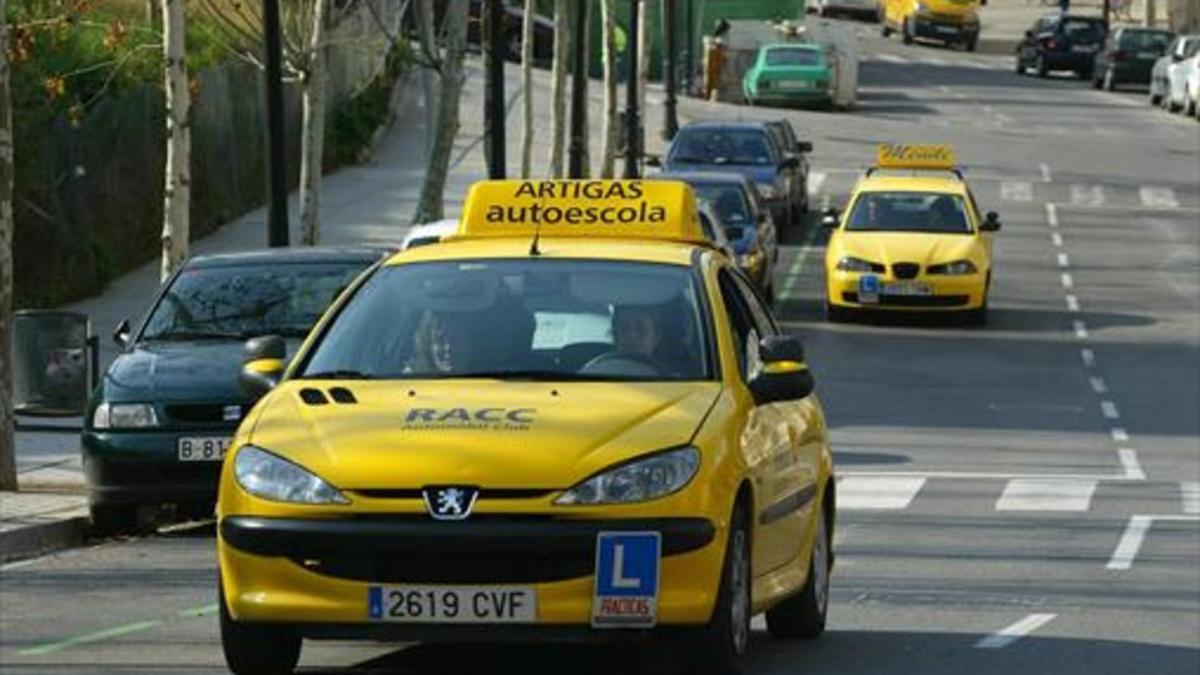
(297, 254)
(890, 182)
(760, 126)
(556, 248)
(690, 177)
(808, 46)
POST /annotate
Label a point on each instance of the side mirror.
(804, 146)
(121, 333)
(790, 161)
(1028, 35)
(784, 376)
(262, 365)
(829, 217)
(654, 161)
(991, 222)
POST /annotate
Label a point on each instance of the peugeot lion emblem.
(450, 502)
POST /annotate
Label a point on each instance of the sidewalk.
(369, 203)
(1004, 22)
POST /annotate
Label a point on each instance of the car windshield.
(721, 146)
(240, 301)
(793, 57)
(728, 200)
(909, 212)
(1145, 41)
(538, 319)
(1083, 31)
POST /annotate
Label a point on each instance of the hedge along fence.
(88, 199)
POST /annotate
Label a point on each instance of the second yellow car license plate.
(905, 289)
(452, 604)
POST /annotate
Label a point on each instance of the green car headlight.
(124, 416)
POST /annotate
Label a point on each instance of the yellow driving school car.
(912, 238)
(574, 419)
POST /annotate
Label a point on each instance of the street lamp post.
(633, 126)
(670, 121)
(578, 152)
(277, 213)
(494, 103)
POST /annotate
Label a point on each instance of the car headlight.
(637, 481)
(124, 416)
(269, 476)
(767, 191)
(852, 264)
(956, 268)
(749, 259)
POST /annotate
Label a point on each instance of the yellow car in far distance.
(912, 238)
(947, 21)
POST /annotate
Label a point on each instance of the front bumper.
(314, 574)
(946, 31)
(143, 467)
(1081, 62)
(948, 293)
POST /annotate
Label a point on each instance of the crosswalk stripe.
(877, 493)
(1046, 494)
(1158, 197)
(891, 58)
(1087, 195)
(1189, 492)
(1016, 190)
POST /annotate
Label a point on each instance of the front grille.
(420, 566)
(203, 413)
(914, 300)
(484, 494)
(906, 270)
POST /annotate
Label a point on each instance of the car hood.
(892, 247)
(487, 433)
(759, 173)
(173, 371)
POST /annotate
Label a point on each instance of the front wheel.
(802, 616)
(257, 649)
(114, 519)
(1110, 80)
(907, 31)
(1043, 68)
(727, 636)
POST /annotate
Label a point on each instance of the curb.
(30, 541)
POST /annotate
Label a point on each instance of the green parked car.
(789, 74)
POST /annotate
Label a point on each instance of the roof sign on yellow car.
(914, 156)
(609, 209)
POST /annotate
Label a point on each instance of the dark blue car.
(747, 148)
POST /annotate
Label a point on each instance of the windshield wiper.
(338, 375)
(195, 335)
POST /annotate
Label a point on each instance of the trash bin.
(51, 354)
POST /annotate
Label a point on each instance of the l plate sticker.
(627, 575)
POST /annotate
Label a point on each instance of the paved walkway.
(369, 203)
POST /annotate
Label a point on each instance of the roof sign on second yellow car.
(610, 209)
(914, 156)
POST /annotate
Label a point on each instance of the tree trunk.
(558, 87)
(608, 131)
(430, 207)
(643, 64)
(8, 462)
(177, 190)
(527, 85)
(312, 150)
(586, 8)
(427, 33)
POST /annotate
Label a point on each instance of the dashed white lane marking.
(1098, 385)
(1087, 195)
(1158, 197)
(1056, 239)
(1072, 303)
(1119, 435)
(1051, 214)
(1109, 410)
(1006, 636)
(1045, 169)
(934, 61)
(1016, 190)
(1081, 330)
(1089, 358)
(1131, 542)
(891, 58)
(1046, 495)
(1063, 260)
(878, 493)
(1189, 493)
(1067, 281)
(816, 180)
(1130, 464)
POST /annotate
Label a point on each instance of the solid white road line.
(1189, 492)
(1131, 542)
(1056, 238)
(1089, 358)
(1016, 190)
(1109, 410)
(1006, 636)
(1063, 260)
(1119, 435)
(1081, 331)
(1087, 195)
(1157, 197)
(1098, 385)
(1067, 281)
(1045, 169)
(877, 493)
(1046, 495)
(1072, 303)
(1130, 464)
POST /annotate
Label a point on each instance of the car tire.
(1020, 69)
(1110, 80)
(1155, 99)
(884, 29)
(722, 643)
(972, 44)
(114, 519)
(907, 33)
(1042, 67)
(257, 649)
(835, 314)
(803, 615)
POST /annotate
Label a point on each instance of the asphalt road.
(1023, 497)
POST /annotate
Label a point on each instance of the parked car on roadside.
(1168, 65)
(714, 228)
(748, 148)
(1184, 82)
(1061, 42)
(1128, 56)
(785, 135)
(164, 413)
(789, 74)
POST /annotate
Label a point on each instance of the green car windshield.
(793, 56)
